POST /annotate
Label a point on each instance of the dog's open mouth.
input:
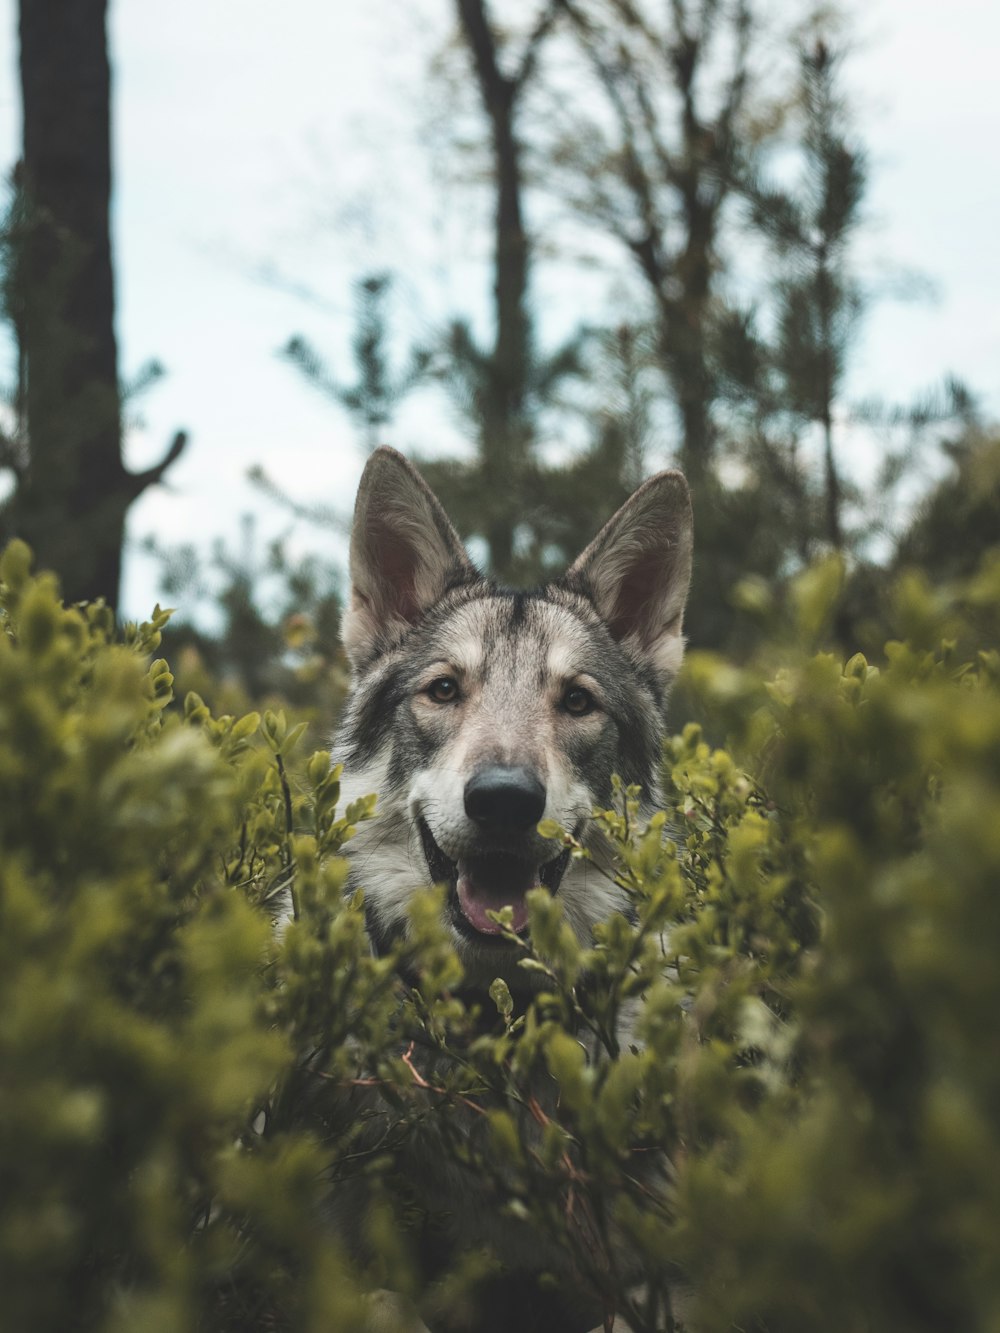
(479, 885)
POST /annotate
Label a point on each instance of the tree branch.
(543, 26)
(645, 247)
(734, 99)
(138, 482)
(494, 87)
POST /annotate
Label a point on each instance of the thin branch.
(636, 177)
(323, 515)
(137, 482)
(543, 26)
(680, 17)
(631, 18)
(288, 860)
(732, 104)
(662, 154)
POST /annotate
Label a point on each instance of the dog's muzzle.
(505, 806)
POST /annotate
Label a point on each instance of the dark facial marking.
(367, 730)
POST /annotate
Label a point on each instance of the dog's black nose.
(505, 796)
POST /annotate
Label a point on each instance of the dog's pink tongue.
(486, 886)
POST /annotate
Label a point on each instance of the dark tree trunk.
(71, 503)
(505, 427)
(73, 496)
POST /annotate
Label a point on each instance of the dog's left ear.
(638, 568)
(404, 554)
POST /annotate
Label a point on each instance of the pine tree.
(378, 389)
(811, 229)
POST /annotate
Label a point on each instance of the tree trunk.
(505, 428)
(71, 505)
(74, 492)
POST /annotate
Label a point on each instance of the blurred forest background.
(709, 151)
(654, 224)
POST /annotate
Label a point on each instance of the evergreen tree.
(785, 362)
(811, 229)
(958, 521)
(371, 401)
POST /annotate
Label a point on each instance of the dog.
(477, 712)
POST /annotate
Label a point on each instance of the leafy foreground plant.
(790, 1115)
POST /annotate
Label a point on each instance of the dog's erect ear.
(638, 567)
(404, 553)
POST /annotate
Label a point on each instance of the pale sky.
(252, 134)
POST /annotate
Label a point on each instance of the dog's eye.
(578, 701)
(444, 690)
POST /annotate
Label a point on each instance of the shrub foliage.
(788, 1117)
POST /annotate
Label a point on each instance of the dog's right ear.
(404, 554)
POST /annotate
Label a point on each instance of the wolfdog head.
(477, 711)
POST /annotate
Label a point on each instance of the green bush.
(790, 1115)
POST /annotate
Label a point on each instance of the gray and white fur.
(548, 694)
(477, 711)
